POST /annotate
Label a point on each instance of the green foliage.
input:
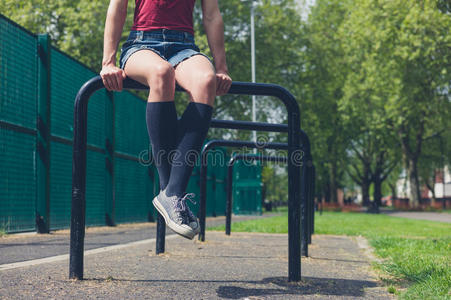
(322, 83)
(379, 225)
(278, 51)
(415, 252)
(276, 224)
(424, 262)
(275, 179)
(371, 77)
(76, 27)
(399, 84)
(377, 80)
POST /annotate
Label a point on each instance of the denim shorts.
(171, 45)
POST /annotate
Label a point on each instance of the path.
(429, 216)
(240, 266)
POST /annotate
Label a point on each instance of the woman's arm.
(214, 27)
(112, 76)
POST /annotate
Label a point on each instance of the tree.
(321, 86)
(75, 27)
(405, 73)
(278, 51)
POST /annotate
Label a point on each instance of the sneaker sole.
(197, 230)
(186, 233)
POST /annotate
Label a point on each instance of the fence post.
(109, 160)
(43, 136)
(229, 195)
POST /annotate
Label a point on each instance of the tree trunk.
(333, 182)
(377, 194)
(411, 155)
(432, 190)
(365, 192)
(412, 173)
(394, 194)
(327, 193)
(366, 186)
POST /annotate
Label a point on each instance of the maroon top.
(168, 14)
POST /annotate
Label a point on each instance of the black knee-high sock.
(161, 118)
(192, 130)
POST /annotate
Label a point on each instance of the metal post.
(240, 88)
(161, 234)
(304, 209)
(43, 137)
(312, 226)
(309, 203)
(109, 161)
(202, 193)
(229, 195)
(77, 225)
(254, 133)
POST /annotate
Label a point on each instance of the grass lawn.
(416, 254)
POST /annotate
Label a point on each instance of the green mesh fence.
(133, 191)
(194, 187)
(130, 124)
(247, 197)
(221, 187)
(60, 185)
(17, 181)
(67, 76)
(95, 189)
(216, 185)
(134, 181)
(18, 92)
(119, 120)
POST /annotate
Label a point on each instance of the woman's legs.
(147, 67)
(197, 76)
(150, 69)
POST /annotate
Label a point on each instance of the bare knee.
(205, 88)
(208, 81)
(161, 78)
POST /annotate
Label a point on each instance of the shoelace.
(181, 204)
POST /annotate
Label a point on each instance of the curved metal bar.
(309, 182)
(246, 125)
(230, 165)
(203, 171)
(243, 88)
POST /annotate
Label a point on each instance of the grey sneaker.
(174, 211)
(193, 223)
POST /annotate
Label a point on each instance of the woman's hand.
(112, 77)
(223, 83)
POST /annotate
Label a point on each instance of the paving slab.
(28, 246)
(240, 266)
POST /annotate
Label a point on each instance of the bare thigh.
(197, 76)
(148, 68)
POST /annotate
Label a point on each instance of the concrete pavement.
(240, 266)
(420, 215)
(22, 247)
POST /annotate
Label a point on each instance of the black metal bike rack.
(77, 230)
(310, 190)
(307, 183)
(230, 164)
(203, 171)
